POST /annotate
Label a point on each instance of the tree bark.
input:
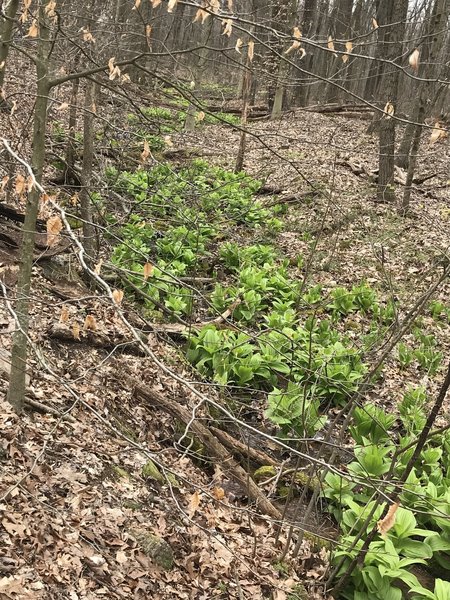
(6, 31)
(86, 173)
(16, 390)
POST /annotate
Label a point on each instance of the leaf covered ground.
(77, 504)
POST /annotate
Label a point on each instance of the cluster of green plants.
(420, 534)
(426, 354)
(180, 215)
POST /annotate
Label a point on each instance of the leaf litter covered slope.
(74, 499)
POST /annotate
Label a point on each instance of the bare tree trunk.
(16, 390)
(246, 87)
(340, 20)
(86, 174)
(393, 17)
(6, 31)
(70, 148)
(198, 71)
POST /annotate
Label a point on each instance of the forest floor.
(82, 509)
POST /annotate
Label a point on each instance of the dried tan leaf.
(54, 227)
(87, 36)
(145, 152)
(171, 5)
(136, 4)
(414, 60)
(63, 106)
(50, 8)
(251, 50)
(194, 503)
(228, 27)
(155, 3)
(295, 46)
(297, 33)
(90, 323)
(148, 270)
(218, 493)
(330, 43)
(4, 183)
(239, 44)
(438, 133)
(374, 23)
(230, 5)
(384, 525)
(64, 316)
(76, 331)
(20, 185)
(98, 267)
(200, 116)
(34, 30)
(117, 296)
(148, 34)
(201, 15)
(389, 110)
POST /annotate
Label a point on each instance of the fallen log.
(237, 447)
(97, 339)
(217, 450)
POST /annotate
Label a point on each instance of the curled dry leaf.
(155, 3)
(20, 184)
(200, 116)
(90, 323)
(4, 183)
(389, 110)
(117, 296)
(251, 50)
(230, 5)
(239, 44)
(87, 36)
(34, 30)
(54, 227)
(148, 34)
(98, 267)
(228, 27)
(136, 4)
(384, 525)
(62, 106)
(172, 4)
(374, 23)
(414, 60)
(201, 15)
(330, 44)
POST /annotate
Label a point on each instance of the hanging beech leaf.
(374, 23)
(228, 27)
(148, 270)
(389, 110)
(50, 8)
(251, 50)
(136, 4)
(87, 36)
(4, 183)
(63, 106)
(34, 30)
(201, 15)
(54, 227)
(148, 34)
(330, 43)
(20, 184)
(200, 116)
(438, 133)
(98, 267)
(239, 45)
(230, 5)
(145, 152)
(172, 4)
(414, 60)
(384, 525)
(155, 3)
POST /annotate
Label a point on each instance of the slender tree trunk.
(86, 174)
(16, 390)
(394, 16)
(6, 31)
(246, 88)
(198, 71)
(70, 148)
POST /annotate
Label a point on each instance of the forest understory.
(161, 453)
